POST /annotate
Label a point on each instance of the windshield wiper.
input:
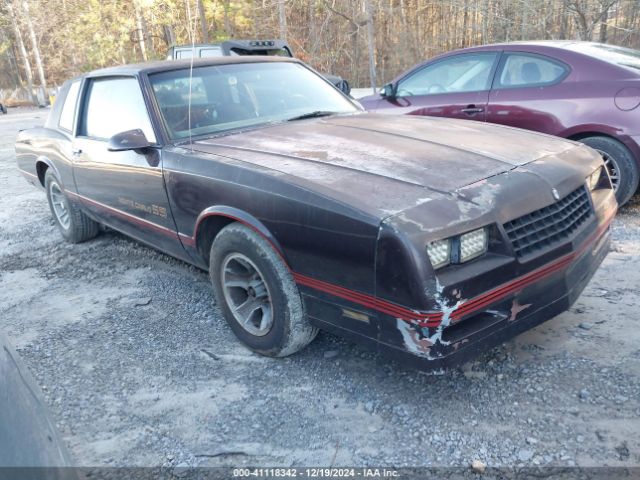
(315, 114)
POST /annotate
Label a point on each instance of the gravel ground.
(139, 368)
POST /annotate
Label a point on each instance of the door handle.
(472, 110)
(76, 151)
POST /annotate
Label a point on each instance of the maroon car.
(582, 91)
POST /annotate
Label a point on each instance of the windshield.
(625, 57)
(226, 97)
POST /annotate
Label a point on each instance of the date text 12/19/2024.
(316, 472)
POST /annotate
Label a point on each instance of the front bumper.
(496, 316)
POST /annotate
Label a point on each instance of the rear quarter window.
(523, 70)
(68, 113)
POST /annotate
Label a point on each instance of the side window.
(211, 52)
(521, 70)
(469, 72)
(115, 105)
(67, 116)
(184, 54)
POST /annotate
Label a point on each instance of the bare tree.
(169, 35)
(141, 35)
(12, 70)
(23, 52)
(589, 15)
(34, 47)
(361, 40)
(227, 21)
(371, 44)
(282, 19)
(203, 22)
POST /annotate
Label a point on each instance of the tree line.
(44, 42)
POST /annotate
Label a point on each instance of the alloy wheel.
(247, 294)
(60, 208)
(613, 169)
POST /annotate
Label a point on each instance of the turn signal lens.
(473, 244)
(439, 252)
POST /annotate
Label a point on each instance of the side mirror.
(388, 91)
(129, 140)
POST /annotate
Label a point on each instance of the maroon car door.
(455, 86)
(528, 92)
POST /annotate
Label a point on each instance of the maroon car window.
(69, 108)
(460, 73)
(529, 70)
(115, 105)
(225, 97)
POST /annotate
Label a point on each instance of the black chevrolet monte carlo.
(427, 239)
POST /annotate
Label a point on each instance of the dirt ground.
(139, 368)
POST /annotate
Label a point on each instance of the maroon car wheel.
(620, 164)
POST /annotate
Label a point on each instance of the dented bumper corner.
(471, 327)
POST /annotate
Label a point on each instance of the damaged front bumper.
(475, 325)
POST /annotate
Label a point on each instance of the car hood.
(391, 162)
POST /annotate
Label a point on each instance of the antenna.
(190, 29)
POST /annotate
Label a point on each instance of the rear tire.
(73, 224)
(620, 163)
(257, 294)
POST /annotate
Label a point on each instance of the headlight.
(473, 244)
(594, 179)
(458, 249)
(439, 252)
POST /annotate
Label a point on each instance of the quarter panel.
(558, 108)
(48, 146)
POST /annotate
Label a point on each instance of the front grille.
(549, 225)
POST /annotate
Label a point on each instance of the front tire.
(73, 224)
(257, 294)
(620, 163)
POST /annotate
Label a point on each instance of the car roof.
(168, 65)
(542, 43)
(572, 47)
(533, 46)
(196, 45)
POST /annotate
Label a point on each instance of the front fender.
(240, 216)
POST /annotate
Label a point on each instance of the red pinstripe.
(426, 319)
(24, 172)
(137, 220)
(375, 303)
(433, 319)
(520, 283)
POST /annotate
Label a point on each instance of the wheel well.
(207, 231)
(581, 136)
(41, 170)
